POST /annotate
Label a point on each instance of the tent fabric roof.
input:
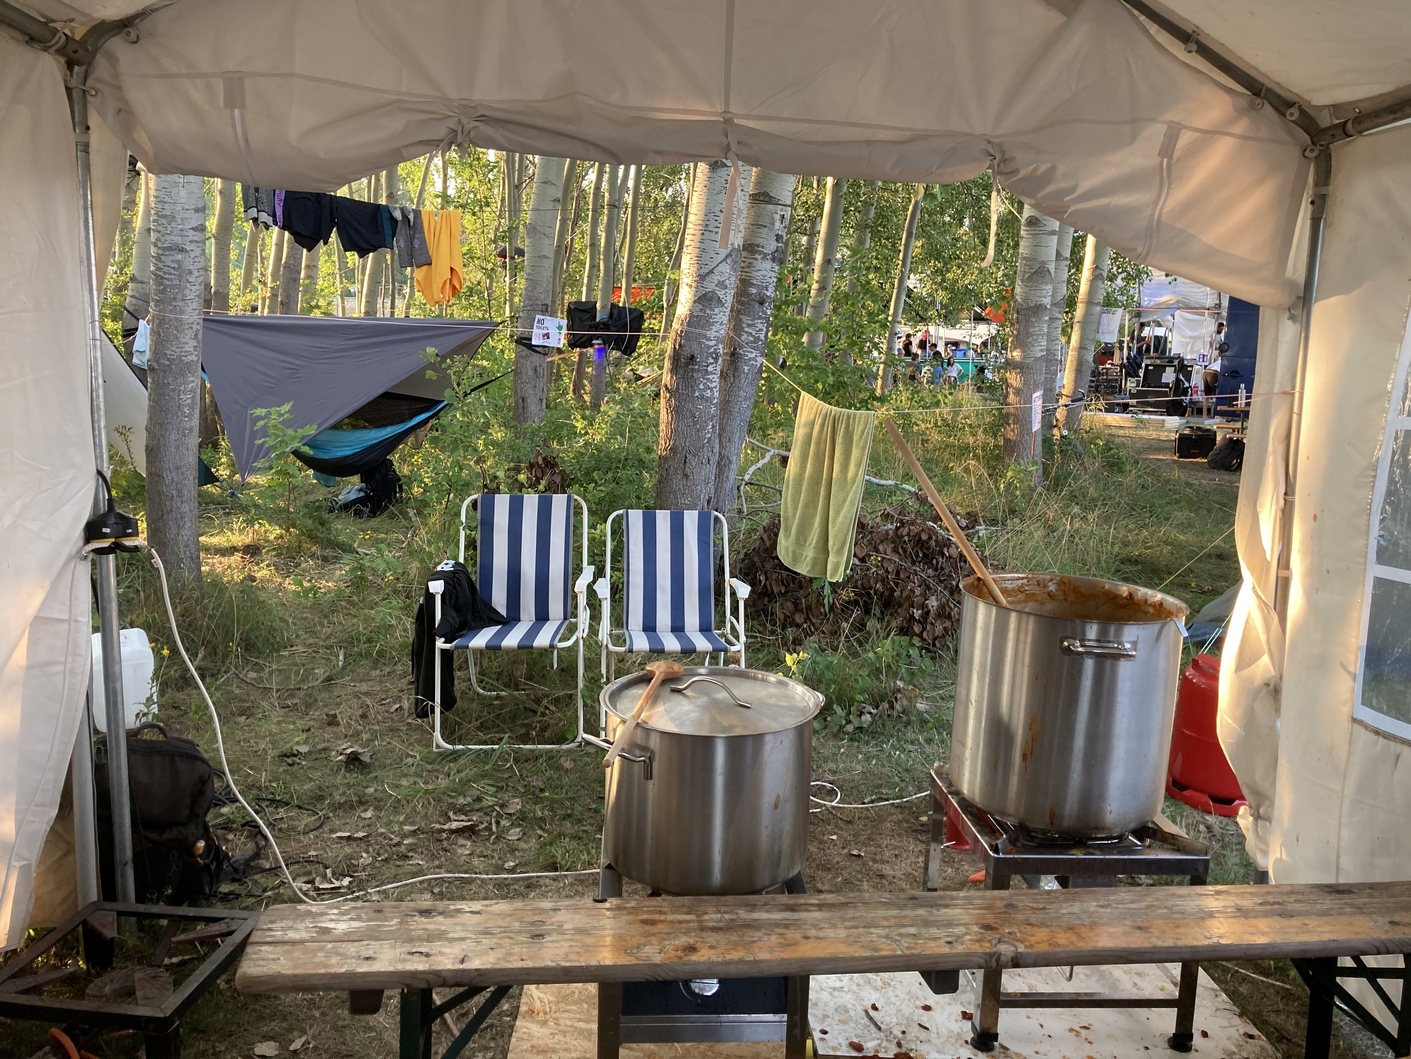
(1328, 53)
(324, 367)
(1078, 109)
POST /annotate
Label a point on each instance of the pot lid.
(703, 701)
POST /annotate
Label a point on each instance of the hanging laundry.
(141, 343)
(308, 217)
(412, 251)
(823, 488)
(258, 204)
(278, 208)
(363, 226)
(441, 280)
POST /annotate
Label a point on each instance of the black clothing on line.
(308, 217)
(363, 226)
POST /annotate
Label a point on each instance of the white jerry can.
(139, 686)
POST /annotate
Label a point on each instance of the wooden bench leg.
(609, 1019)
(1184, 1037)
(415, 1036)
(1318, 1037)
(1403, 1031)
(163, 1045)
(984, 1026)
(796, 1028)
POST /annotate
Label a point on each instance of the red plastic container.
(1200, 775)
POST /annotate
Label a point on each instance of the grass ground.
(302, 634)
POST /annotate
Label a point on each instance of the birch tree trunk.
(825, 258)
(512, 167)
(370, 298)
(1058, 304)
(139, 284)
(688, 444)
(563, 232)
(1024, 375)
(607, 266)
(590, 269)
(862, 237)
(531, 370)
(290, 275)
(391, 196)
(747, 334)
(308, 279)
(607, 247)
(279, 244)
(1086, 318)
(810, 246)
(249, 267)
(174, 373)
(668, 308)
(629, 255)
(595, 216)
(221, 233)
(908, 243)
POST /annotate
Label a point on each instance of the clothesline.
(956, 409)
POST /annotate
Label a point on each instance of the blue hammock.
(343, 453)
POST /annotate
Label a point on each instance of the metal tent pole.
(85, 823)
(113, 700)
(1322, 178)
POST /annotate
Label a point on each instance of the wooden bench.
(364, 949)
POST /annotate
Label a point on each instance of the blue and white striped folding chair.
(668, 586)
(524, 547)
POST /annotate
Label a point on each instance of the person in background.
(1210, 380)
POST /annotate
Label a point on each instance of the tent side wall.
(1344, 786)
(46, 469)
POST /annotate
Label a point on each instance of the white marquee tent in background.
(1189, 310)
(1180, 135)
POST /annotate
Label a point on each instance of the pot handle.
(645, 758)
(1119, 649)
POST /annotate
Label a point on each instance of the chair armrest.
(584, 580)
(600, 586)
(436, 587)
(742, 590)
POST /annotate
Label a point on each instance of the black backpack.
(1228, 455)
(175, 855)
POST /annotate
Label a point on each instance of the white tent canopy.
(1174, 156)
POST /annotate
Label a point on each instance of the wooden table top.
(395, 945)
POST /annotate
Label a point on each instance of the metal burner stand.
(158, 1022)
(1007, 851)
(744, 1009)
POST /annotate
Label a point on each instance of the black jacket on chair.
(462, 609)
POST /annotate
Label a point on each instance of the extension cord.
(156, 561)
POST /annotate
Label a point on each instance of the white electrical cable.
(156, 561)
(838, 803)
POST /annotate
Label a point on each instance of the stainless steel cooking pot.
(1063, 704)
(710, 796)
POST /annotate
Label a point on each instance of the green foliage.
(879, 680)
(277, 473)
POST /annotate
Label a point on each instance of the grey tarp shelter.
(324, 367)
(1230, 143)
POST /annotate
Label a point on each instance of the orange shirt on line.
(441, 280)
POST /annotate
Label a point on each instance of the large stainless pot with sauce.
(709, 796)
(1064, 702)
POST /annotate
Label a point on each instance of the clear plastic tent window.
(1384, 678)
